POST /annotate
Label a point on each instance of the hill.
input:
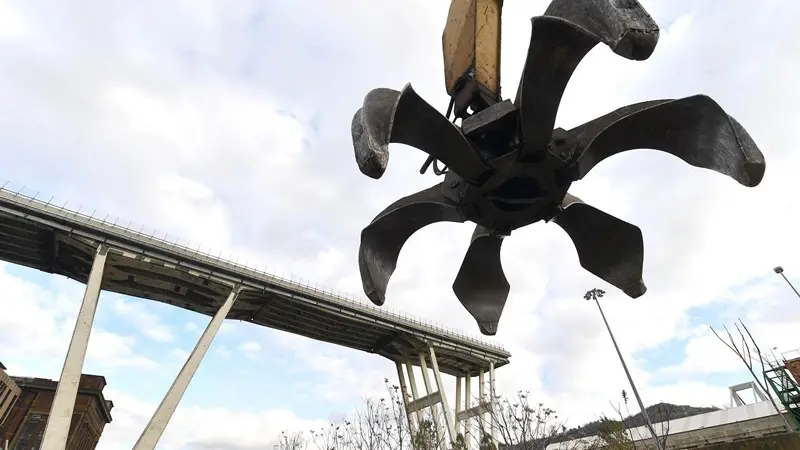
(660, 412)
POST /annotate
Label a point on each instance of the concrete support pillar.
(404, 394)
(448, 418)
(58, 422)
(158, 423)
(429, 390)
(481, 402)
(467, 406)
(492, 399)
(414, 392)
(458, 405)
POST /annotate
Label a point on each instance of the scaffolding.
(780, 378)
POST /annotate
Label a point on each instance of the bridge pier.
(56, 431)
(433, 400)
(465, 414)
(59, 420)
(161, 417)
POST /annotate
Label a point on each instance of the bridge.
(110, 257)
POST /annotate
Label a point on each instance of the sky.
(229, 125)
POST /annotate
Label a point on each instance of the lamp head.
(594, 294)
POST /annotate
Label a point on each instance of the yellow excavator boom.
(471, 48)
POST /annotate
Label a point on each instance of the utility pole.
(596, 294)
(779, 271)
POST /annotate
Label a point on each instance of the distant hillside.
(660, 412)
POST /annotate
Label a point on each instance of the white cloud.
(38, 321)
(250, 349)
(229, 127)
(200, 428)
(148, 323)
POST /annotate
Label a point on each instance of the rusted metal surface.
(506, 167)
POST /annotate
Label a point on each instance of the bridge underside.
(105, 257)
(143, 274)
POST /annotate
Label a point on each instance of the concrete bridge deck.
(56, 240)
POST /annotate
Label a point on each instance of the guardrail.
(31, 197)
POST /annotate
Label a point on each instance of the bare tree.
(293, 441)
(382, 424)
(744, 352)
(612, 434)
(521, 425)
(329, 438)
(425, 437)
(661, 414)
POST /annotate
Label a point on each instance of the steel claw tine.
(625, 27)
(383, 239)
(481, 285)
(390, 116)
(607, 246)
(559, 41)
(695, 129)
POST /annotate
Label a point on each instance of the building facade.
(793, 365)
(9, 392)
(25, 423)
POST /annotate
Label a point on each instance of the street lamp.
(596, 294)
(779, 271)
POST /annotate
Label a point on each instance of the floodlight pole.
(595, 294)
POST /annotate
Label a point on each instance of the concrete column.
(57, 429)
(404, 394)
(448, 418)
(434, 410)
(492, 398)
(414, 392)
(458, 405)
(467, 406)
(481, 401)
(161, 417)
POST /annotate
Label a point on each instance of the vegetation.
(519, 424)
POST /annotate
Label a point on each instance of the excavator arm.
(471, 48)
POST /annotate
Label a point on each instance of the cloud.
(250, 349)
(38, 321)
(202, 428)
(229, 127)
(148, 323)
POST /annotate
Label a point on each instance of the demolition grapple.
(505, 165)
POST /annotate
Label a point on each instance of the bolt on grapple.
(507, 167)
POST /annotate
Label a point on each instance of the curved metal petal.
(556, 48)
(559, 41)
(390, 116)
(695, 129)
(625, 26)
(384, 237)
(608, 247)
(481, 286)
